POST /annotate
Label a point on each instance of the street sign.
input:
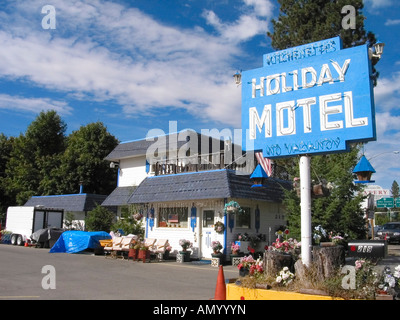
(397, 202)
(311, 99)
(385, 203)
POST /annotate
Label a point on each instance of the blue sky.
(136, 65)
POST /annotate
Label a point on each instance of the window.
(208, 218)
(173, 217)
(243, 219)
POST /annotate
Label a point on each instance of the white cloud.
(378, 3)
(252, 22)
(262, 8)
(387, 92)
(34, 105)
(105, 51)
(392, 22)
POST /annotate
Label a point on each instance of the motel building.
(181, 182)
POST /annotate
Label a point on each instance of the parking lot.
(87, 276)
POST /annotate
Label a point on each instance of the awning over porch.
(215, 184)
(119, 197)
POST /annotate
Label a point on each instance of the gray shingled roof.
(68, 202)
(119, 196)
(214, 184)
(139, 147)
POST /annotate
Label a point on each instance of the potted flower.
(185, 244)
(133, 250)
(232, 207)
(168, 249)
(235, 248)
(216, 246)
(144, 253)
(249, 266)
(138, 216)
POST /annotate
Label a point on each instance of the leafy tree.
(31, 159)
(83, 161)
(99, 219)
(301, 22)
(6, 145)
(304, 21)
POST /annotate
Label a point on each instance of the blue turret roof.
(258, 173)
(363, 165)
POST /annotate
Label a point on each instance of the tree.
(304, 21)
(32, 158)
(339, 212)
(395, 189)
(83, 161)
(6, 145)
(301, 22)
(99, 219)
(128, 224)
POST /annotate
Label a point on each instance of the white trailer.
(23, 221)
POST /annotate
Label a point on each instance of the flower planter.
(379, 296)
(133, 253)
(275, 261)
(243, 272)
(185, 255)
(144, 255)
(234, 292)
(236, 255)
(219, 255)
(166, 255)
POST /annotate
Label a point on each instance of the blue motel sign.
(312, 99)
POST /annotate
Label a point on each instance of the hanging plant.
(232, 207)
(219, 227)
(138, 216)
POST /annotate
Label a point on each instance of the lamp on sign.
(238, 78)
(378, 48)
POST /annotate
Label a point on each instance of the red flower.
(251, 249)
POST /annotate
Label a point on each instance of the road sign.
(311, 99)
(385, 203)
(397, 202)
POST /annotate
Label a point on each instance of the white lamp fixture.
(114, 165)
(377, 51)
(238, 78)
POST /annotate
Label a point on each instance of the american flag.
(265, 163)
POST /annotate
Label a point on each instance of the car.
(376, 229)
(390, 232)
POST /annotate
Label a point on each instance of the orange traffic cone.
(220, 290)
(26, 244)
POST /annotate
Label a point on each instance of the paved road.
(86, 276)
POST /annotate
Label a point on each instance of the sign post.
(305, 198)
(311, 99)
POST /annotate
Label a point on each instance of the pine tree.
(395, 189)
(301, 22)
(304, 21)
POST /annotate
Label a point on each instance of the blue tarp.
(77, 241)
